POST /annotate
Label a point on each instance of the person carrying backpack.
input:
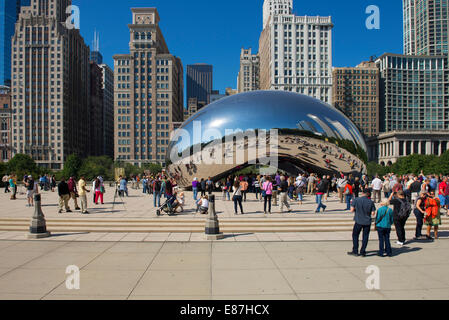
(401, 213)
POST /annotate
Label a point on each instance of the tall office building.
(414, 92)
(356, 93)
(96, 110)
(107, 85)
(148, 92)
(5, 124)
(295, 52)
(248, 79)
(426, 27)
(9, 14)
(50, 85)
(199, 82)
(95, 54)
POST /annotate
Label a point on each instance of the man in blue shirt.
(364, 210)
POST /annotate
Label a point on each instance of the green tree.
(93, 167)
(23, 164)
(154, 168)
(72, 166)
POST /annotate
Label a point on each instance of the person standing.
(209, 186)
(30, 187)
(267, 194)
(13, 186)
(320, 191)
(433, 216)
(311, 184)
(5, 181)
(73, 192)
(203, 187)
(237, 197)
(257, 188)
(195, 189)
(98, 191)
(283, 188)
(364, 210)
(401, 210)
(349, 195)
(83, 194)
(244, 188)
(64, 196)
(443, 193)
(53, 183)
(341, 184)
(157, 188)
(356, 187)
(420, 213)
(123, 188)
(376, 185)
(384, 221)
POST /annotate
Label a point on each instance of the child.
(181, 201)
(384, 220)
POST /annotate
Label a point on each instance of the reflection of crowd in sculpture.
(328, 151)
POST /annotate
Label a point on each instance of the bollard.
(38, 228)
(275, 198)
(212, 224)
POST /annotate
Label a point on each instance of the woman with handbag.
(267, 194)
(384, 221)
(237, 197)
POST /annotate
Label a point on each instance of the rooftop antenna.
(96, 42)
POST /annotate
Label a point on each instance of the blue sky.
(202, 31)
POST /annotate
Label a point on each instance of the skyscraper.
(248, 79)
(148, 92)
(295, 52)
(9, 13)
(95, 54)
(199, 82)
(356, 93)
(414, 93)
(426, 27)
(50, 85)
(108, 110)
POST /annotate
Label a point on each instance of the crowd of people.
(427, 197)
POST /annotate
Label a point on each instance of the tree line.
(415, 163)
(75, 166)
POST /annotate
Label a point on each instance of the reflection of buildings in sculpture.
(314, 137)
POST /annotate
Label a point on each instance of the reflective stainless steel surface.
(312, 136)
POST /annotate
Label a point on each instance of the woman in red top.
(349, 194)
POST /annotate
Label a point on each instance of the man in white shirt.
(376, 185)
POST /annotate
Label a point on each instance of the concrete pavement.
(255, 270)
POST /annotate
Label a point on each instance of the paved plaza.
(219, 270)
(183, 265)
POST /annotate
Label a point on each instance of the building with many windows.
(199, 81)
(148, 90)
(426, 27)
(107, 84)
(414, 93)
(248, 79)
(356, 93)
(295, 52)
(9, 14)
(50, 85)
(5, 124)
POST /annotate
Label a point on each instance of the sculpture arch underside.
(292, 153)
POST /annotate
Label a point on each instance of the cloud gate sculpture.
(282, 130)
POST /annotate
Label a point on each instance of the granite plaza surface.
(183, 266)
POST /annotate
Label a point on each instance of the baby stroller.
(170, 206)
